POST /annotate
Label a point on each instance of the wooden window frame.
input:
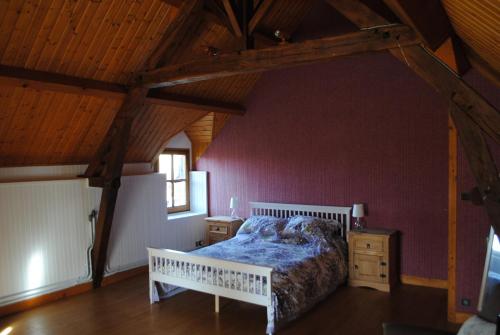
(186, 153)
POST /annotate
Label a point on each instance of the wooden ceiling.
(110, 40)
(477, 22)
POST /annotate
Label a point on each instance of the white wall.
(45, 232)
(181, 141)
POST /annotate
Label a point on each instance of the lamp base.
(358, 224)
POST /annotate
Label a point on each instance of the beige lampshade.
(358, 211)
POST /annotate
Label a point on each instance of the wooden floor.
(124, 308)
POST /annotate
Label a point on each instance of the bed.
(284, 257)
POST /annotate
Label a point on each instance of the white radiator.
(44, 236)
(45, 232)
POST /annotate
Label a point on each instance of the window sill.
(183, 215)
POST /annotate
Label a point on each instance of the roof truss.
(285, 55)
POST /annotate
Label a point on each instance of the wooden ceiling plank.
(485, 68)
(32, 121)
(101, 29)
(71, 17)
(126, 62)
(28, 41)
(104, 45)
(9, 22)
(36, 48)
(155, 22)
(40, 80)
(109, 67)
(281, 56)
(43, 110)
(233, 19)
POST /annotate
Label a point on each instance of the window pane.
(180, 194)
(169, 194)
(179, 167)
(165, 165)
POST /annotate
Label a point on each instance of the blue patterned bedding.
(308, 257)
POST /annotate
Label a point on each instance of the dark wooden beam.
(158, 97)
(103, 232)
(481, 162)
(427, 17)
(244, 16)
(233, 18)
(106, 167)
(259, 14)
(48, 81)
(281, 56)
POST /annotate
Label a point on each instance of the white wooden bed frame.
(245, 282)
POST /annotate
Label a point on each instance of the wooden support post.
(481, 163)
(103, 230)
(106, 167)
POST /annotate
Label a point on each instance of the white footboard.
(245, 282)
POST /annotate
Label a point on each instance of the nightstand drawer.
(369, 243)
(218, 229)
(214, 237)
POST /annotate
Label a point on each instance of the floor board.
(123, 308)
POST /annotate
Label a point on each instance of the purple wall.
(361, 129)
(473, 225)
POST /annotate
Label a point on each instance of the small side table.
(373, 258)
(221, 228)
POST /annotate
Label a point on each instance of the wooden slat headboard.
(341, 214)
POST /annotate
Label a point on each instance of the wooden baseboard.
(427, 282)
(27, 304)
(120, 276)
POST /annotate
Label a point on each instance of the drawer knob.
(355, 267)
(382, 275)
(368, 246)
(383, 263)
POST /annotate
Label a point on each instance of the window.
(174, 163)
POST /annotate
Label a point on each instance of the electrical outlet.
(198, 243)
(465, 302)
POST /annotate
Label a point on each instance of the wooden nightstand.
(373, 258)
(222, 228)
